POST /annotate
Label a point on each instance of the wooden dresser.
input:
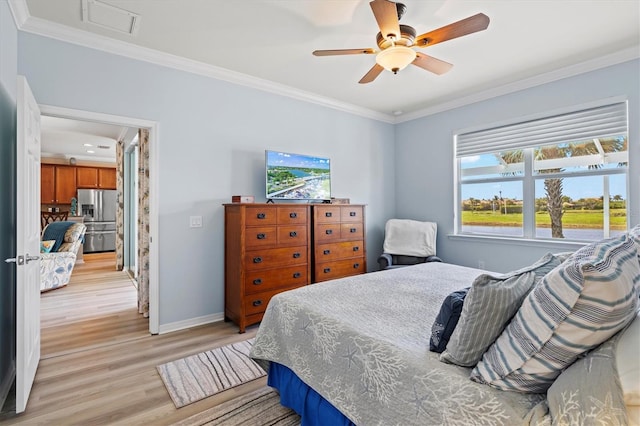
(267, 251)
(338, 241)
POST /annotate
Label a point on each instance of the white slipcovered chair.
(408, 242)
(56, 267)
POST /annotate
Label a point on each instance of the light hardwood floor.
(98, 363)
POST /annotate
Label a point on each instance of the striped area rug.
(198, 376)
(258, 408)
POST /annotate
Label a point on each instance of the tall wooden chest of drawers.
(267, 251)
(338, 241)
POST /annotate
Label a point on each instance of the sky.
(574, 187)
(296, 160)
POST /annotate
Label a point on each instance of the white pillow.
(628, 365)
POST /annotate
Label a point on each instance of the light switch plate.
(195, 221)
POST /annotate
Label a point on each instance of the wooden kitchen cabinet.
(65, 184)
(87, 177)
(48, 184)
(57, 184)
(96, 177)
(106, 178)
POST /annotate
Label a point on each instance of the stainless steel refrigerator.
(98, 206)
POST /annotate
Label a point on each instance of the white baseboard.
(193, 322)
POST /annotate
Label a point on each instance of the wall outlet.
(195, 221)
(481, 264)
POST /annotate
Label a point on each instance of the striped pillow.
(635, 236)
(488, 307)
(576, 307)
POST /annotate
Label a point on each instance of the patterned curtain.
(143, 223)
(120, 207)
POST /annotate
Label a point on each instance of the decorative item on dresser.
(338, 240)
(267, 251)
(242, 199)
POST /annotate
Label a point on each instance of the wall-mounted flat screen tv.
(297, 177)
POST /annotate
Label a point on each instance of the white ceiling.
(268, 44)
(82, 140)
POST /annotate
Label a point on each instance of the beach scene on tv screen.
(293, 176)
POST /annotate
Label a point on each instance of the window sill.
(528, 242)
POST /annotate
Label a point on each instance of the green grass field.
(587, 219)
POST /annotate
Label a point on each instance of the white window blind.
(599, 122)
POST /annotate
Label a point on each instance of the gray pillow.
(491, 302)
(588, 391)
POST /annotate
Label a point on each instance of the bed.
(356, 351)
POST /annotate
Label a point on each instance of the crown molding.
(45, 28)
(30, 24)
(64, 158)
(20, 11)
(549, 77)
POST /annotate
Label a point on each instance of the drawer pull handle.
(261, 236)
(356, 248)
(257, 281)
(326, 270)
(296, 255)
(352, 214)
(356, 265)
(257, 302)
(297, 275)
(326, 251)
(353, 230)
(293, 215)
(328, 214)
(329, 231)
(257, 260)
(261, 215)
(293, 234)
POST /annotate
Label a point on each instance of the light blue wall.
(212, 140)
(424, 184)
(8, 74)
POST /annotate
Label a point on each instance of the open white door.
(27, 242)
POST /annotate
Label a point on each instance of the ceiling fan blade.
(343, 52)
(461, 28)
(432, 64)
(386, 14)
(372, 74)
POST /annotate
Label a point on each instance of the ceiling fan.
(396, 41)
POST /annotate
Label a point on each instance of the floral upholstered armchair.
(63, 239)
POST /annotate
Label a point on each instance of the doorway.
(152, 127)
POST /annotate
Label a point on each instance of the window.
(558, 177)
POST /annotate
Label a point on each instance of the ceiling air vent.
(107, 16)
(103, 146)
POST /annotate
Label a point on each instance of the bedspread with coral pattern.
(363, 344)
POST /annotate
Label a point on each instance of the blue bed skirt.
(297, 395)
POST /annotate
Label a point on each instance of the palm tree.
(553, 186)
(472, 202)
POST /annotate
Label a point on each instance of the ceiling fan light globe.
(395, 58)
